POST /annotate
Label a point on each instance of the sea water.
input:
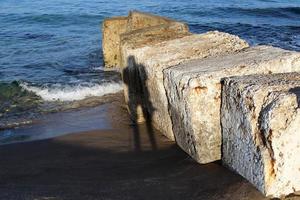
(50, 51)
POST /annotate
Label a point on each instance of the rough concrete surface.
(151, 35)
(194, 94)
(261, 131)
(113, 28)
(139, 20)
(143, 76)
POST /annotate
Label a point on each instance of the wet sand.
(120, 162)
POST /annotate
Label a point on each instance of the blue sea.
(51, 56)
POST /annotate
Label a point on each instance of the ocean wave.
(71, 93)
(101, 68)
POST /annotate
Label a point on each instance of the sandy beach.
(122, 161)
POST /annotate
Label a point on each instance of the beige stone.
(194, 94)
(151, 35)
(113, 28)
(143, 76)
(139, 20)
(261, 131)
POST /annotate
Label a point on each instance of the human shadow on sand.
(138, 101)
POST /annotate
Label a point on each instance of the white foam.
(70, 93)
(98, 68)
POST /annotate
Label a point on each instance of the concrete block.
(261, 130)
(113, 28)
(143, 76)
(150, 36)
(194, 94)
(139, 20)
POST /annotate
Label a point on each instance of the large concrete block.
(139, 20)
(194, 94)
(137, 39)
(113, 28)
(149, 36)
(261, 130)
(143, 76)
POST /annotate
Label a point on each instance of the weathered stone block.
(149, 36)
(194, 94)
(143, 75)
(113, 28)
(261, 130)
(137, 39)
(139, 20)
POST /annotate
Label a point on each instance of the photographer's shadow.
(138, 103)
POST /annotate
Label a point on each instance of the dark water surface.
(51, 50)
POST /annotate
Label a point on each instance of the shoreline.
(120, 162)
(77, 116)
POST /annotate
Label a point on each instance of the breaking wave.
(71, 93)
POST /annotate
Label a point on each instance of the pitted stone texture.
(261, 130)
(139, 20)
(113, 28)
(149, 61)
(152, 35)
(194, 94)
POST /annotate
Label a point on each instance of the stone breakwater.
(214, 95)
